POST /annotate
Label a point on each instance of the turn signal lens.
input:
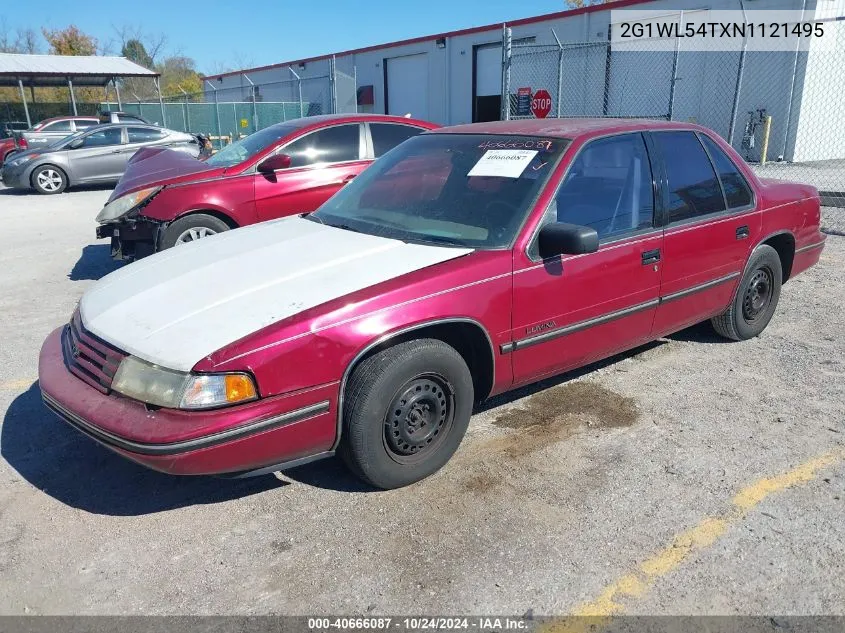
(239, 387)
(217, 390)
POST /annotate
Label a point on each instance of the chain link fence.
(228, 109)
(782, 111)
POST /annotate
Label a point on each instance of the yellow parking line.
(15, 385)
(595, 613)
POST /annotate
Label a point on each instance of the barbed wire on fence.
(781, 110)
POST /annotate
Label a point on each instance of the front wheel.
(192, 228)
(756, 297)
(48, 180)
(405, 411)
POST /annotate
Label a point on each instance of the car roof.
(322, 119)
(566, 128)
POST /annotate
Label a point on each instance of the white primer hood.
(178, 306)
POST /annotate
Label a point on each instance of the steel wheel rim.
(49, 180)
(419, 418)
(195, 233)
(758, 294)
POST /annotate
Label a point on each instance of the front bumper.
(15, 177)
(270, 432)
(131, 239)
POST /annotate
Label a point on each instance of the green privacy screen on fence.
(219, 119)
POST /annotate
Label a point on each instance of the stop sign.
(541, 104)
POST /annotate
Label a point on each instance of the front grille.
(89, 358)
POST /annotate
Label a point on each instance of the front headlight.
(17, 162)
(124, 204)
(164, 387)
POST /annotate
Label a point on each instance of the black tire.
(203, 224)
(48, 180)
(756, 297)
(405, 411)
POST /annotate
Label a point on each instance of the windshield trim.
(529, 209)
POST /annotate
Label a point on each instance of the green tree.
(135, 51)
(179, 72)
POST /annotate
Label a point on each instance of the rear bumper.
(277, 431)
(131, 239)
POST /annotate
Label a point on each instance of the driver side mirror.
(274, 163)
(75, 143)
(559, 238)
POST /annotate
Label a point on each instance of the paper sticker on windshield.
(504, 163)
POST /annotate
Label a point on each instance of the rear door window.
(386, 136)
(144, 135)
(737, 191)
(334, 144)
(608, 187)
(694, 190)
(85, 124)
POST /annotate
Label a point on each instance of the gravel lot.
(691, 476)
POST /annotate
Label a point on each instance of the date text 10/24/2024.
(419, 623)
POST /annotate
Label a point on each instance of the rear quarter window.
(386, 136)
(737, 192)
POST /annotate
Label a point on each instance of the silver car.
(96, 155)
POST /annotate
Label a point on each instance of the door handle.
(742, 232)
(348, 178)
(651, 257)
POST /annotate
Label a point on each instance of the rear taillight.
(22, 144)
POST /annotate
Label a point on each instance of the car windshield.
(246, 148)
(448, 189)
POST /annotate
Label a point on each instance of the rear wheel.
(49, 179)
(192, 228)
(406, 410)
(756, 298)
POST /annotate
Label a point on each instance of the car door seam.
(611, 316)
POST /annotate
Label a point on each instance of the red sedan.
(469, 261)
(7, 147)
(167, 198)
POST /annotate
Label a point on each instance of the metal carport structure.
(43, 71)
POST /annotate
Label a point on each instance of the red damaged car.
(469, 261)
(166, 198)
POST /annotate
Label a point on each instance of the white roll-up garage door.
(488, 70)
(407, 85)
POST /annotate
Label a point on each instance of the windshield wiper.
(436, 239)
(345, 227)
